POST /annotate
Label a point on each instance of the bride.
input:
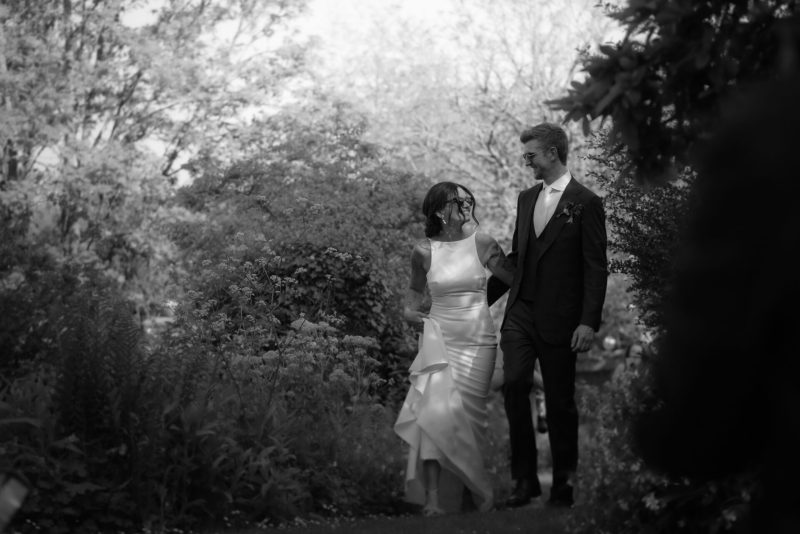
(444, 418)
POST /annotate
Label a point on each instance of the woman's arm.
(413, 309)
(493, 257)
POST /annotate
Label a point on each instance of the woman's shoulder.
(421, 254)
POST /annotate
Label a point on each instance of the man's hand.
(582, 338)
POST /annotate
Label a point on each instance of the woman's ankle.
(432, 503)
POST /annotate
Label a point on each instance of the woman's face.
(458, 209)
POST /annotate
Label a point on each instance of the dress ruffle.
(434, 410)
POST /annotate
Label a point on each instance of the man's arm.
(595, 274)
(493, 257)
(595, 263)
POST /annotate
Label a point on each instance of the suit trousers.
(522, 345)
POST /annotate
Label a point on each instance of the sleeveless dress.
(444, 416)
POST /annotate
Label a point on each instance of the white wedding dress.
(444, 415)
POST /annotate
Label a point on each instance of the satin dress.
(444, 416)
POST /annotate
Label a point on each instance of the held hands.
(414, 317)
(582, 338)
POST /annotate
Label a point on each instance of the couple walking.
(556, 272)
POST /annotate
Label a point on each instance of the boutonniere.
(571, 210)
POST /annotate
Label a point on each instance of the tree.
(104, 102)
(661, 85)
(664, 88)
(453, 87)
(660, 88)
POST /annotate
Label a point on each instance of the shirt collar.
(560, 184)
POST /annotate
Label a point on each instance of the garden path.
(535, 518)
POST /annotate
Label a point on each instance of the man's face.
(539, 158)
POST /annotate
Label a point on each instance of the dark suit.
(559, 283)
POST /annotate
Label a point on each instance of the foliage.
(450, 86)
(343, 220)
(622, 319)
(213, 423)
(645, 228)
(661, 85)
(106, 75)
(71, 415)
(627, 496)
(272, 387)
(103, 102)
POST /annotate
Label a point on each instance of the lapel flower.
(570, 210)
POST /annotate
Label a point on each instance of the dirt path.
(536, 518)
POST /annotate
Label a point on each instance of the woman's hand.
(414, 311)
(414, 317)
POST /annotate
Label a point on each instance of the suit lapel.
(526, 220)
(556, 223)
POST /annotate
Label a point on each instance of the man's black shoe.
(523, 493)
(561, 496)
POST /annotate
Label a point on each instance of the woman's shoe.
(432, 504)
(431, 511)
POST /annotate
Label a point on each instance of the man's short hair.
(548, 134)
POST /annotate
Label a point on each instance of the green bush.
(272, 393)
(645, 225)
(230, 417)
(314, 190)
(70, 419)
(624, 496)
(306, 394)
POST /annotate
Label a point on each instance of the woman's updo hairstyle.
(435, 200)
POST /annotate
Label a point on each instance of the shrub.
(264, 388)
(645, 225)
(214, 423)
(71, 419)
(314, 190)
(625, 496)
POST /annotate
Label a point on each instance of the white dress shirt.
(547, 201)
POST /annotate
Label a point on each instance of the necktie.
(540, 210)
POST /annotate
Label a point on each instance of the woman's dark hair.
(436, 199)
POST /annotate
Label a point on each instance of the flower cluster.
(571, 210)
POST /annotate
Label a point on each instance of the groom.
(553, 309)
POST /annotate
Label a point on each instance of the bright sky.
(346, 27)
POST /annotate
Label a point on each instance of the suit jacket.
(568, 265)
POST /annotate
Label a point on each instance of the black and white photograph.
(399, 266)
